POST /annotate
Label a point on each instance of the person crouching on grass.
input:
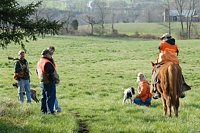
(48, 77)
(144, 95)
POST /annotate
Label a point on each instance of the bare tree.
(91, 22)
(112, 22)
(100, 6)
(180, 5)
(192, 7)
(167, 17)
(189, 6)
(39, 13)
(50, 14)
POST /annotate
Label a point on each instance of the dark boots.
(157, 95)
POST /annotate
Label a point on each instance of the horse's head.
(153, 66)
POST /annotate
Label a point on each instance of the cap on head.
(46, 51)
(51, 48)
(165, 35)
(21, 51)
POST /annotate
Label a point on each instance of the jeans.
(24, 87)
(48, 97)
(57, 107)
(140, 102)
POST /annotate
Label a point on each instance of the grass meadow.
(156, 29)
(94, 73)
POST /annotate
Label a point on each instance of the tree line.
(24, 22)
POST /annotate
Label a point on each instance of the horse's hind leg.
(168, 103)
(164, 106)
(176, 108)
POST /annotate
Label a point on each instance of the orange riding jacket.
(144, 90)
(166, 46)
(168, 52)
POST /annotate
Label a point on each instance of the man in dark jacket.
(48, 77)
(22, 76)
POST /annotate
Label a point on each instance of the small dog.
(33, 93)
(128, 94)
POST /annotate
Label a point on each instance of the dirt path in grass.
(82, 125)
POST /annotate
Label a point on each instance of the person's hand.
(24, 66)
(57, 81)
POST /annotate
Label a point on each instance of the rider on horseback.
(168, 52)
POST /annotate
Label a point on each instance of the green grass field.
(94, 72)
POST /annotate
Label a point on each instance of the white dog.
(128, 94)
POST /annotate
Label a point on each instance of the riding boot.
(157, 95)
(184, 87)
(182, 95)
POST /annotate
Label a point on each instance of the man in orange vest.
(168, 52)
(48, 77)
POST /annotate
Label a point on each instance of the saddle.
(155, 73)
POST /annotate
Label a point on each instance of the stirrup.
(156, 96)
(182, 95)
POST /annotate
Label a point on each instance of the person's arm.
(142, 91)
(177, 51)
(160, 47)
(50, 71)
(17, 67)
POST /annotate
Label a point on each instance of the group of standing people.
(47, 75)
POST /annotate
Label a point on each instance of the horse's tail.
(174, 80)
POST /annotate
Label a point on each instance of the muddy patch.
(82, 125)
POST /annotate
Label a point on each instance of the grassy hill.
(94, 72)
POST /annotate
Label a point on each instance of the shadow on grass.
(8, 127)
(194, 105)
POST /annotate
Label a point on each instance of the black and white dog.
(128, 94)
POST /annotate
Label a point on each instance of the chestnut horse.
(169, 86)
